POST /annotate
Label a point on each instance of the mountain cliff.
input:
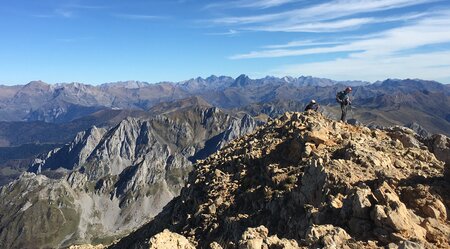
(304, 181)
(21, 142)
(106, 183)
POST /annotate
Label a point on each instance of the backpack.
(340, 97)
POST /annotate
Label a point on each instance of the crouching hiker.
(312, 106)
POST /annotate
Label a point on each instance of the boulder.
(326, 236)
(257, 238)
(168, 240)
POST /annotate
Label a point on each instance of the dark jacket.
(343, 98)
(312, 106)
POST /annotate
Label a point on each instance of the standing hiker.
(312, 106)
(343, 98)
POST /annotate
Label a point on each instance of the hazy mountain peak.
(288, 78)
(212, 77)
(37, 83)
(37, 86)
(241, 81)
(130, 84)
(191, 102)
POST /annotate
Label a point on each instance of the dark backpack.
(340, 97)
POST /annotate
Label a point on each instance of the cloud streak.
(322, 12)
(394, 53)
(230, 32)
(428, 31)
(261, 4)
(434, 65)
(139, 17)
(335, 25)
(406, 34)
(305, 43)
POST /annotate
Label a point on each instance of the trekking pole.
(351, 112)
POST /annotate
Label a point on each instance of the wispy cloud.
(261, 4)
(434, 65)
(139, 17)
(305, 43)
(390, 48)
(394, 53)
(230, 32)
(333, 26)
(317, 43)
(67, 13)
(322, 12)
(428, 31)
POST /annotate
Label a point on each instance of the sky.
(100, 41)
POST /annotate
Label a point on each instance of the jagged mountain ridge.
(21, 142)
(316, 182)
(64, 102)
(422, 99)
(113, 181)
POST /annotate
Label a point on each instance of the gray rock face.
(405, 135)
(440, 146)
(71, 155)
(116, 180)
(419, 129)
(237, 128)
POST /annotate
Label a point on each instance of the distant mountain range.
(60, 103)
(38, 101)
(111, 156)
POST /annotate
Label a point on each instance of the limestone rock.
(169, 240)
(440, 145)
(257, 238)
(326, 236)
(73, 154)
(436, 233)
(405, 136)
(393, 216)
(410, 245)
(215, 245)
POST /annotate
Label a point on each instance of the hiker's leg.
(344, 113)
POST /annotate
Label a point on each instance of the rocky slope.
(304, 181)
(108, 182)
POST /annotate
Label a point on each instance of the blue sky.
(98, 41)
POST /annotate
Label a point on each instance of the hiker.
(343, 98)
(312, 106)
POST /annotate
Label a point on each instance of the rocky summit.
(305, 181)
